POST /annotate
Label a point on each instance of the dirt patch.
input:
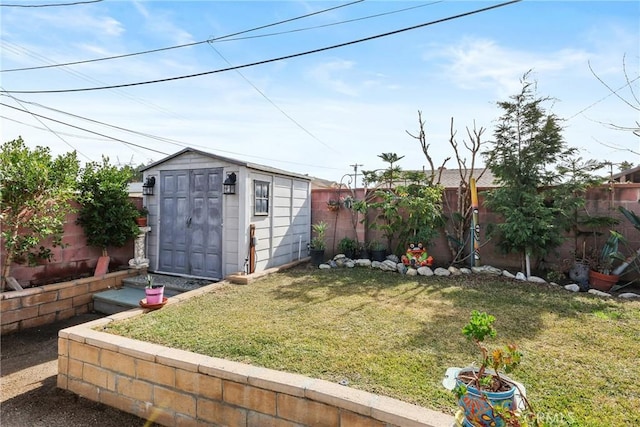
(28, 392)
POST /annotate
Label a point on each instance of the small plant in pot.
(348, 247)
(318, 243)
(141, 220)
(378, 250)
(485, 395)
(602, 278)
(153, 292)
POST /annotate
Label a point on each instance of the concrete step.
(125, 298)
(180, 284)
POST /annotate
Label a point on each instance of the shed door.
(191, 222)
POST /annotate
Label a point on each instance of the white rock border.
(392, 264)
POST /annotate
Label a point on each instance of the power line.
(86, 130)
(611, 93)
(183, 45)
(85, 77)
(48, 128)
(150, 136)
(294, 121)
(362, 18)
(51, 4)
(267, 61)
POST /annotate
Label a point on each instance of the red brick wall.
(70, 261)
(600, 201)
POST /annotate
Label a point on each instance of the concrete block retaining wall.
(179, 388)
(46, 304)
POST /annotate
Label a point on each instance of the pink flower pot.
(154, 295)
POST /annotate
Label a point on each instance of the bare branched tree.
(457, 228)
(630, 98)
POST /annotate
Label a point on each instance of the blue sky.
(320, 113)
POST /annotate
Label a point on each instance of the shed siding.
(282, 235)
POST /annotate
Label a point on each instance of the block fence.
(178, 388)
(49, 303)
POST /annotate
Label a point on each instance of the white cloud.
(332, 75)
(482, 62)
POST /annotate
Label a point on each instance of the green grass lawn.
(396, 335)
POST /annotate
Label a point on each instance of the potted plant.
(486, 396)
(153, 292)
(318, 244)
(378, 250)
(602, 277)
(348, 247)
(333, 205)
(141, 220)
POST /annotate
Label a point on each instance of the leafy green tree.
(35, 191)
(106, 213)
(528, 142)
(408, 212)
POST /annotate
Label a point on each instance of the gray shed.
(197, 229)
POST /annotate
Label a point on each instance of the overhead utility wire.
(183, 45)
(51, 4)
(72, 135)
(83, 76)
(87, 130)
(160, 138)
(273, 103)
(267, 61)
(611, 93)
(348, 21)
(48, 128)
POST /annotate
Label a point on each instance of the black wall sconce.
(229, 184)
(147, 187)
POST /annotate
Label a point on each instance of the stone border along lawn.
(393, 264)
(180, 388)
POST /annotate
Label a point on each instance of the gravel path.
(28, 393)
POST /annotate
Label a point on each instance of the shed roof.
(249, 165)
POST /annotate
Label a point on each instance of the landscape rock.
(388, 265)
(520, 276)
(629, 295)
(441, 272)
(536, 279)
(599, 293)
(553, 283)
(402, 269)
(393, 258)
(455, 271)
(349, 264)
(572, 287)
(363, 262)
(505, 273)
(425, 271)
(324, 267)
(339, 256)
(487, 269)
(412, 272)
(375, 264)
(340, 261)
(465, 270)
(333, 264)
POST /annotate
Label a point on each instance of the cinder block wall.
(49, 303)
(178, 388)
(603, 200)
(71, 259)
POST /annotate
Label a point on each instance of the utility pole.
(355, 175)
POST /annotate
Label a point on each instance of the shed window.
(261, 192)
